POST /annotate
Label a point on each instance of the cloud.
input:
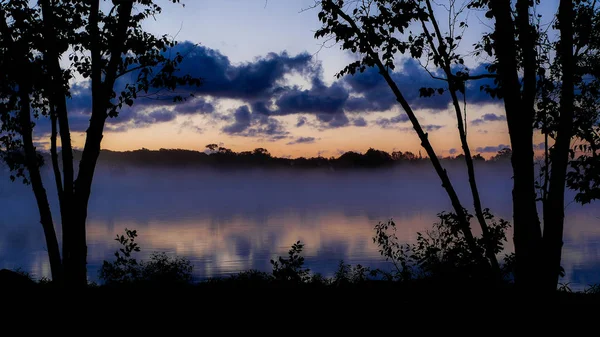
(247, 81)
(260, 79)
(539, 146)
(389, 123)
(302, 140)
(301, 121)
(248, 124)
(426, 127)
(261, 86)
(452, 151)
(431, 127)
(198, 105)
(371, 92)
(492, 149)
(333, 121)
(475, 94)
(134, 119)
(488, 118)
(319, 99)
(375, 94)
(359, 122)
(242, 121)
(189, 125)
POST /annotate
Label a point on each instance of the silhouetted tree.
(545, 82)
(103, 46)
(212, 147)
(502, 155)
(537, 78)
(372, 31)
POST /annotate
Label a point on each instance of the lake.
(229, 221)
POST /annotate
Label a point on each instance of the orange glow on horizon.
(196, 132)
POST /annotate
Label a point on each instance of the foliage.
(441, 252)
(593, 289)
(291, 269)
(45, 46)
(347, 273)
(161, 269)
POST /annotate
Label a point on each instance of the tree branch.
(458, 208)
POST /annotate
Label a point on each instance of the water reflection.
(225, 222)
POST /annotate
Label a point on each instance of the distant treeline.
(216, 156)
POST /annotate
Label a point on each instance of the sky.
(268, 83)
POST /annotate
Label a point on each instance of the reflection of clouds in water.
(581, 249)
(230, 221)
(246, 243)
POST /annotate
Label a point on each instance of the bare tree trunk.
(101, 92)
(519, 115)
(58, 102)
(37, 185)
(554, 213)
(444, 57)
(458, 208)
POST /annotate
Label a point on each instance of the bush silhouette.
(160, 270)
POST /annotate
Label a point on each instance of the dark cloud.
(242, 121)
(540, 146)
(488, 118)
(325, 102)
(375, 94)
(426, 127)
(371, 92)
(492, 149)
(360, 122)
(301, 121)
(260, 85)
(319, 99)
(452, 151)
(332, 121)
(431, 127)
(248, 81)
(475, 94)
(197, 105)
(251, 81)
(388, 123)
(302, 140)
(248, 124)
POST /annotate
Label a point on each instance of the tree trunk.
(58, 102)
(36, 183)
(554, 213)
(519, 115)
(101, 95)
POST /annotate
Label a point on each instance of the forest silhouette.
(222, 157)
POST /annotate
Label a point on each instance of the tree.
(104, 47)
(212, 147)
(372, 30)
(503, 154)
(552, 68)
(547, 81)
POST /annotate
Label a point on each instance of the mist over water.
(226, 221)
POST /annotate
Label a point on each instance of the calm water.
(225, 222)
